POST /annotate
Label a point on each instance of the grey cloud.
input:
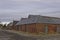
(15, 9)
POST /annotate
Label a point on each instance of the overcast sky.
(15, 9)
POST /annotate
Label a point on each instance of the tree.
(4, 26)
(1, 25)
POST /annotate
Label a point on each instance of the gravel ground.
(4, 35)
(13, 36)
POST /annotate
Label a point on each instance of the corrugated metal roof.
(26, 21)
(22, 21)
(39, 19)
(33, 16)
(29, 20)
(49, 20)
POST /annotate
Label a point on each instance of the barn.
(39, 24)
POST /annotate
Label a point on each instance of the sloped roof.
(24, 21)
(33, 16)
(15, 22)
(39, 19)
(45, 19)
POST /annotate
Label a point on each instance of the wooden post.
(46, 28)
(25, 27)
(58, 28)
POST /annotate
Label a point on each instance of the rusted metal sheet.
(17, 28)
(40, 28)
(20, 27)
(52, 28)
(23, 28)
(31, 28)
